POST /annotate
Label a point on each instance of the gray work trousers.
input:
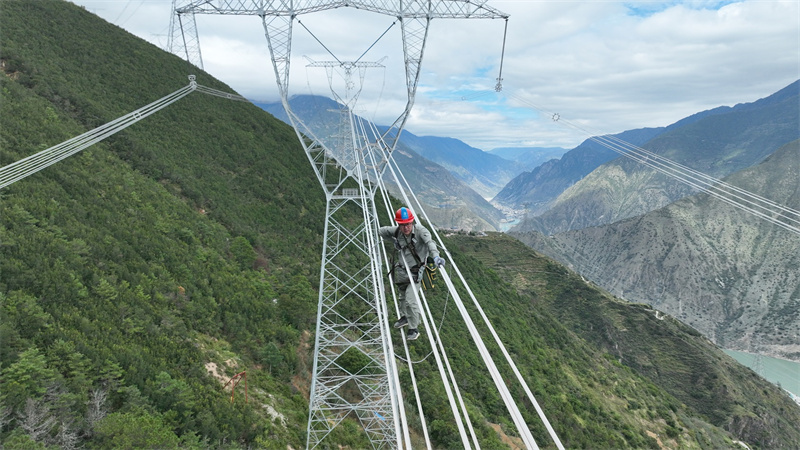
(408, 304)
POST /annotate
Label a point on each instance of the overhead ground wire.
(370, 216)
(510, 405)
(445, 372)
(759, 206)
(697, 176)
(34, 163)
(388, 210)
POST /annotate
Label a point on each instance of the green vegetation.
(123, 264)
(139, 276)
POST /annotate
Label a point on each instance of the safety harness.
(426, 274)
(412, 248)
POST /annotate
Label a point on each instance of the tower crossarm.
(449, 9)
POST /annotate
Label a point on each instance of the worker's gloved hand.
(430, 275)
(439, 261)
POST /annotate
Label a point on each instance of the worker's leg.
(411, 305)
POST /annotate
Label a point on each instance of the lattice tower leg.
(351, 377)
(183, 39)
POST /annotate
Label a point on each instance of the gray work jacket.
(419, 239)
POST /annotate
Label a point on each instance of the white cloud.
(606, 65)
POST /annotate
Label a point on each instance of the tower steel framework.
(183, 38)
(354, 372)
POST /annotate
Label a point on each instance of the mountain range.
(447, 199)
(483, 172)
(140, 276)
(728, 274)
(535, 191)
(529, 157)
(716, 143)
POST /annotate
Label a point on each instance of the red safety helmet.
(403, 215)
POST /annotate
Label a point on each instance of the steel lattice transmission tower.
(183, 39)
(354, 371)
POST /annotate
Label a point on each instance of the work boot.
(412, 334)
(401, 323)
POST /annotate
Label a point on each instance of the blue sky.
(647, 9)
(606, 66)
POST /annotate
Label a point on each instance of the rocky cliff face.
(731, 275)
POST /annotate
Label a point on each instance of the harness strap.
(412, 248)
(409, 245)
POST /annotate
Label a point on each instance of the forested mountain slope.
(729, 274)
(139, 276)
(181, 246)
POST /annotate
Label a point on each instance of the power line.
(499, 382)
(46, 158)
(34, 163)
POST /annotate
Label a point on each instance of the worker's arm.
(387, 233)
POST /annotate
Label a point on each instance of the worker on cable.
(417, 252)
